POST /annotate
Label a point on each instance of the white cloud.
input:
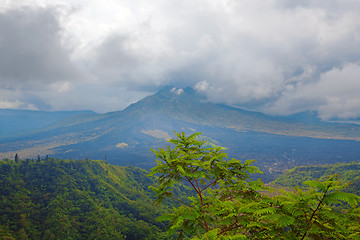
(5, 104)
(10, 104)
(177, 91)
(62, 87)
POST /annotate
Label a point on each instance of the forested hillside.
(90, 199)
(85, 199)
(349, 173)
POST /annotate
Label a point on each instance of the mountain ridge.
(169, 99)
(14, 121)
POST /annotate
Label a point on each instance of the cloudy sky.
(275, 56)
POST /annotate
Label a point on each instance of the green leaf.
(349, 198)
(263, 211)
(165, 217)
(181, 170)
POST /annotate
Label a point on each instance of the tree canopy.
(82, 199)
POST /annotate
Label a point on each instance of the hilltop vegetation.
(66, 199)
(349, 173)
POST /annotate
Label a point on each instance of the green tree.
(227, 204)
(219, 186)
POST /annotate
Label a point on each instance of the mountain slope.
(193, 108)
(53, 199)
(125, 137)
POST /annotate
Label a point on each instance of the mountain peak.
(171, 92)
(177, 91)
(168, 97)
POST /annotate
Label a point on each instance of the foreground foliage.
(84, 199)
(227, 204)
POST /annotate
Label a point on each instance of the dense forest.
(91, 199)
(84, 199)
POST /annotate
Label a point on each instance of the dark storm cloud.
(31, 50)
(118, 61)
(115, 60)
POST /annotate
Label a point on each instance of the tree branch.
(209, 185)
(313, 214)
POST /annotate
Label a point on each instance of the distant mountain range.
(125, 137)
(14, 121)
